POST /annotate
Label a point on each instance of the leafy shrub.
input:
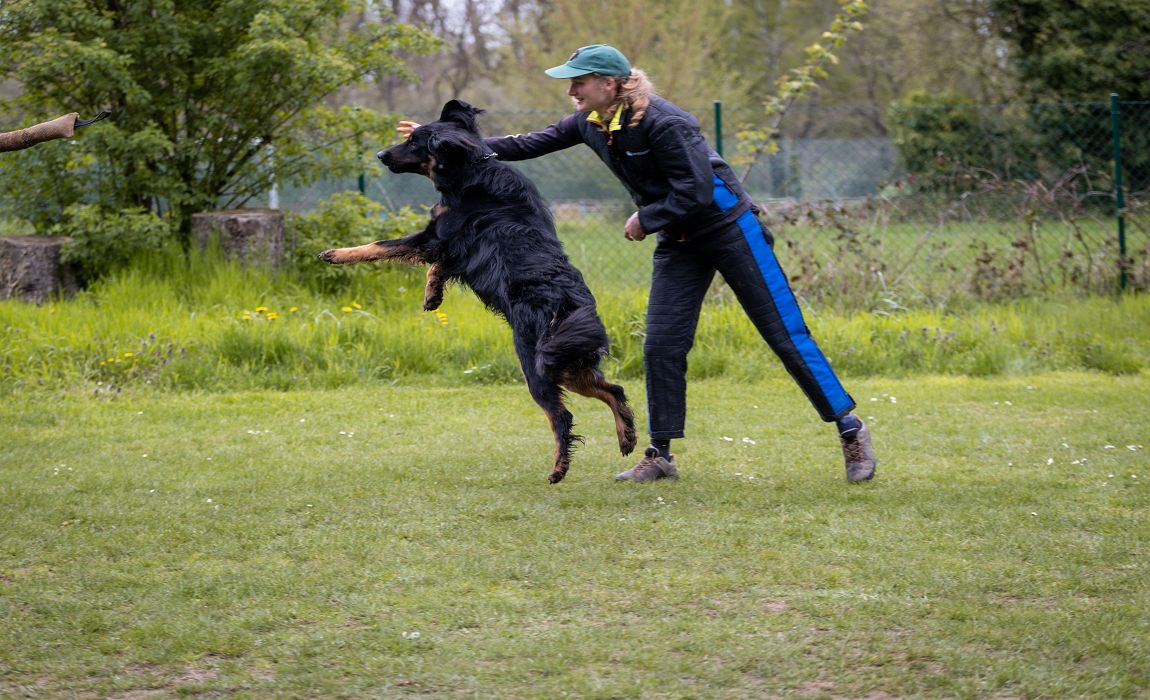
(38, 185)
(342, 220)
(104, 242)
(947, 143)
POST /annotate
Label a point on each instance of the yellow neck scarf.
(615, 125)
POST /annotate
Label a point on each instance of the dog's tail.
(579, 340)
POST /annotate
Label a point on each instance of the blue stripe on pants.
(788, 308)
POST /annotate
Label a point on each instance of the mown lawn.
(401, 541)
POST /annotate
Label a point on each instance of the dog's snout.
(383, 157)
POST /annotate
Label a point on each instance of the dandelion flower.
(293, 309)
(272, 315)
(261, 309)
(356, 305)
(346, 309)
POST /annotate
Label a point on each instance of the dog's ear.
(451, 148)
(460, 113)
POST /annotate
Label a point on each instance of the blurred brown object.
(59, 128)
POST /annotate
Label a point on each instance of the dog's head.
(441, 146)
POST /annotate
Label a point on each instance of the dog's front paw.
(330, 256)
(431, 302)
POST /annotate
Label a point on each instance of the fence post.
(719, 127)
(1119, 196)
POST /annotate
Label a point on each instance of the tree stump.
(252, 236)
(30, 269)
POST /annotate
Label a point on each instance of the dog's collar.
(489, 156)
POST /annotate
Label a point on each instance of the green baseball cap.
(596, 58)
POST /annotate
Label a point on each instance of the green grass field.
(401, 541)
(220, 481)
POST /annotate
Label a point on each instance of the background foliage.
(213, 102)
(883, 195)
(177, 523)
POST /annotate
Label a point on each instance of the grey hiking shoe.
(860, 460)
(650, 468)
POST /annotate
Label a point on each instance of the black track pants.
(682, 273)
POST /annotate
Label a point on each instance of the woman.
(705, 223)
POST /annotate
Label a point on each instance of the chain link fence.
(879, 209)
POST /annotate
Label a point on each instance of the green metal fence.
(905, 206)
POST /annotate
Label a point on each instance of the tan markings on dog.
(592, 384)
(433, 290)
(562, 459)
(360, 253)
(438, 210)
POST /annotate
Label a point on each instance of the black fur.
(493, 232)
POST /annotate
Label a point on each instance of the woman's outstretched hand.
(405, 128)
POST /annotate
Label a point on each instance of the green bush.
(104, 242)
(947, 143)
(342, 220)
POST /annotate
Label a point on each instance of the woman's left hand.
(633, 230)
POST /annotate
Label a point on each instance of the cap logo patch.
(574, 56)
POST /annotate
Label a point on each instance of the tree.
(1078, 49)
(466, 63)
(1078, 52)
(944, 48)
(799, 82)
(674, 41)
(213, 101)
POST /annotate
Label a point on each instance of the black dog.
(493, 232)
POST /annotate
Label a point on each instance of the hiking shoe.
(651, 468)
(860, 461)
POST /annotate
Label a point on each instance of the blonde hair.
(634, 91)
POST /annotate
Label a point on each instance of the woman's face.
(593, 93)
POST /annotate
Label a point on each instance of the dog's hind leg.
(549, 396)
(590, 382)
(562, 423)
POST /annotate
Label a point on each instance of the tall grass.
(206, 323)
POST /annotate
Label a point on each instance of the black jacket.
(664, 162)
